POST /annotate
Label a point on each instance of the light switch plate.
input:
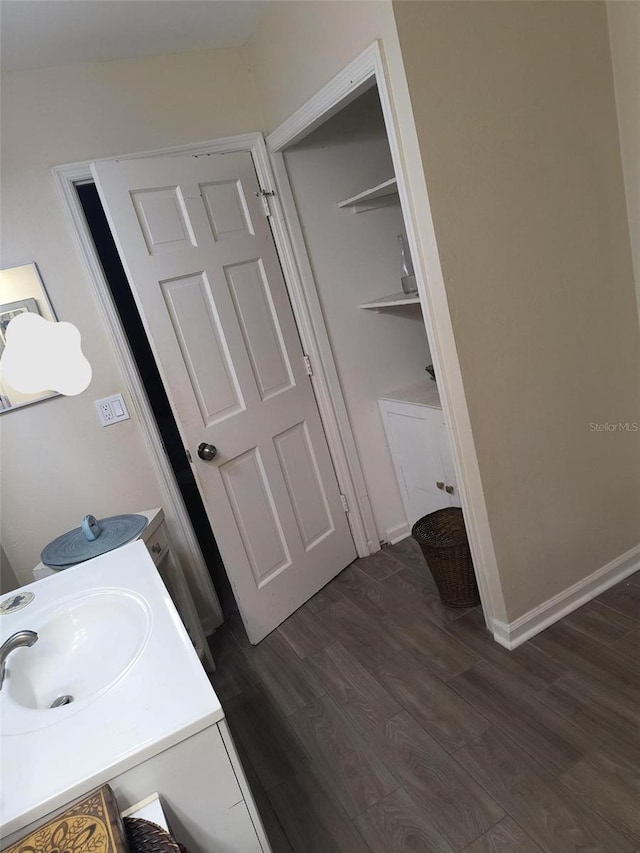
(111, 410)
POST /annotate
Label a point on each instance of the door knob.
(440, 484)
(449, 490)
(207, 451)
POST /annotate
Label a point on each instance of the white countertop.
(423, 393)
(162, 699)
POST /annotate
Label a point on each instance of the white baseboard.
(524, 627)
(397, 533)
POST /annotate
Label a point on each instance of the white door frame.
(367, 70)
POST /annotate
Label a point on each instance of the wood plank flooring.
(375, 720)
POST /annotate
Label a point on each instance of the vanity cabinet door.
(201, 795)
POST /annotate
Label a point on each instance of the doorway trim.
(367, 70)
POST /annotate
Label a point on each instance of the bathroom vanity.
(144, 716)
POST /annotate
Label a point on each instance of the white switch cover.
(111, 410)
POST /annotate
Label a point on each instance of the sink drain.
(67, 699)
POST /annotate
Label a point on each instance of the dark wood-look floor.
(375, 720)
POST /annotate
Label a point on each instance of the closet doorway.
(401, 443)
(344, 189)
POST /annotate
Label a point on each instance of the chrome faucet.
(15, 641)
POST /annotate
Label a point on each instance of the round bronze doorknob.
(207, 451)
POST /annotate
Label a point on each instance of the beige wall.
(515, 113)
(57, 462)
(624, 38)
(300, 46)
(8, 580)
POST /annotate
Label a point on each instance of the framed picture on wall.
(22, 291)
(10, 310)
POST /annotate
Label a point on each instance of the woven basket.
(144, 836)
(443, 540)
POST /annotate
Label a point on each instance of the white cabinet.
(155, 726)
(203, 789)
(419, 443)
(204, 793)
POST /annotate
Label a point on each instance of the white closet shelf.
(391, 301)
(363, 201)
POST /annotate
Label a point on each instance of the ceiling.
(41, 33)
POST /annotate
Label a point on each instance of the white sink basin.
(84, 646)
(108, 635)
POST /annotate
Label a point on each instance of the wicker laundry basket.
(443, 539)
(144, 836)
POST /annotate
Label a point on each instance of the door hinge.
(263, 195)
(307, 364)
(345, 502)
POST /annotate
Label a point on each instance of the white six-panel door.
(198, 251)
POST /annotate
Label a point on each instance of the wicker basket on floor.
(443, 539)
(144, 836)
